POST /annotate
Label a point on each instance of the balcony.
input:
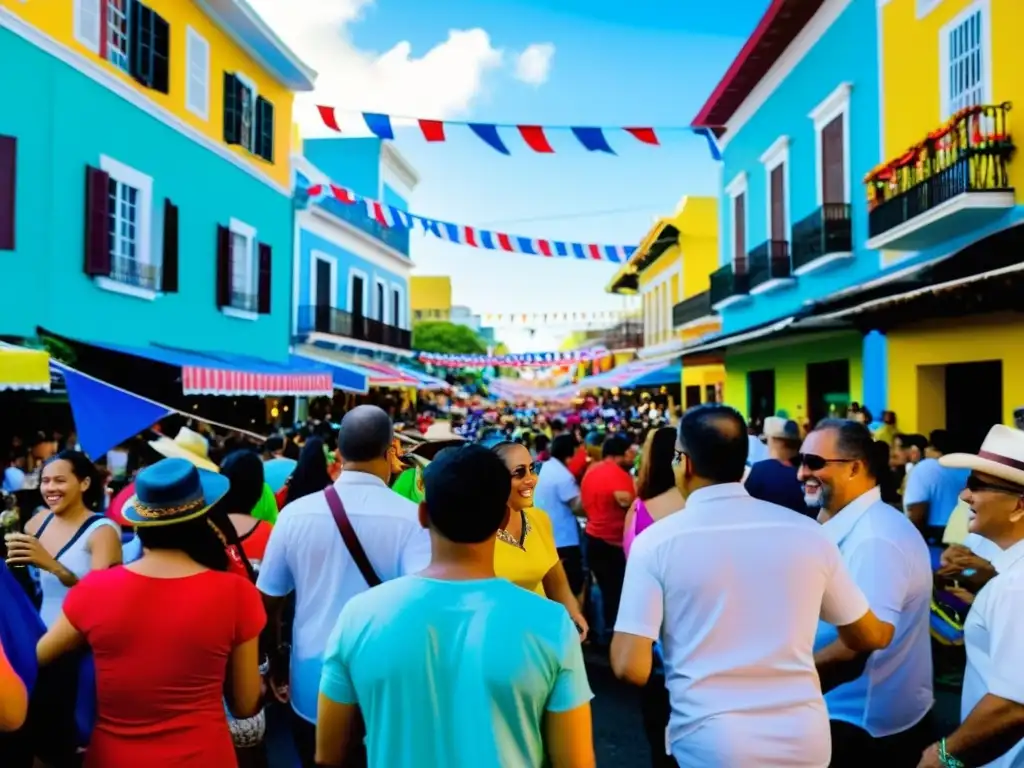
(396, 238)
(338, 322)
(729, 285)
(770, 267)
(954, 181)
(693, 311)
(824, 238)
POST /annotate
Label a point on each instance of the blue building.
(350, 272)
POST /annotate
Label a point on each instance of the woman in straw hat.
(167, 632)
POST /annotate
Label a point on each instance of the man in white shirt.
(878, 706)
(306, 554)
(734, 587)
(992, 707)
(558, 494)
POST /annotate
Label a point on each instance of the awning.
(384, 375)
(426, 381)
(24, 369)
(347, 378)
(659, 377)
(739, 338)
(622, 377)
(217, 373)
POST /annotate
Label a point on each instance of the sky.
(548, 62)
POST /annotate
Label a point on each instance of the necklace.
(508, 538)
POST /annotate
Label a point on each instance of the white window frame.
(403, 309)
(249, 83)
(735, 188)
(314, 257)
(197, 48)
(87, 24)
(924, 7)
(106, 30)
(352, 273)
(985, 7)
(777, 154)
(237, 227)
(380, 311)
(144, 253)
(835, 104)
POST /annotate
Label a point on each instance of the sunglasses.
(526, 469)
(817, 463)
(975, 484)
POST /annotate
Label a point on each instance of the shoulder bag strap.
(348, 535)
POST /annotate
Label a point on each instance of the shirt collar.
(352, 477)
(841, 525)
(716, 492)
(1008, 558)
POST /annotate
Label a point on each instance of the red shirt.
(578, 463)
(606, 518)
(161, 649)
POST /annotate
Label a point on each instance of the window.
(197, 74)
(832, 145)
(248, 117)
(737, 193)
(964, 58)
(776, 166)
(417, 314)
(87, 24)
(117, 32)
(381, 301)
(243, 266)
(396, 306)
(134, 38)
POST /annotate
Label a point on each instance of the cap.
(786, 429)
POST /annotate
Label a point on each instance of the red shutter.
(263, 297)
(8, 164)
(169, 278)
(739, 224)
(97, 227)
(223, 267)
(833, 175)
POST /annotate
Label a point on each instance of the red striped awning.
(219, 381)
(384, 375)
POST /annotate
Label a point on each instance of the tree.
(446, 338)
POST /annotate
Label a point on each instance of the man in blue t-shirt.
(452, 666)
(774, 478)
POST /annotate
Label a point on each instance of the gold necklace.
(508, 538)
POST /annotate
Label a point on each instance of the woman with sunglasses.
(526, 554)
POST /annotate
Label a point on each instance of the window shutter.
(97, 226)
(265, 129)
(263, 296)
(161, 53)
(89, 30)
(140, 42)
(232, 109)
(832, 151)
(169, 278)
(223, 267)
(739, 226)
(8, 178)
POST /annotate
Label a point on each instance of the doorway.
(358, 291)
(692, 395)
(761, 395)
(828, 390)
(974, 401)
(324, 295)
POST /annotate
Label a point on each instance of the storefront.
(703, 381)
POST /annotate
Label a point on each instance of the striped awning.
(24, 369)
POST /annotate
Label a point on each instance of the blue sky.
(648, 62)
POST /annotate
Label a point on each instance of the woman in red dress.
(167, 632)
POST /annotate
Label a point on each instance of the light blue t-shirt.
(454, 673)
(940, 486)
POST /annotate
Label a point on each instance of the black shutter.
(97, 226)
(169, 281)
(223, 267)
(265, 129)
(232, 109)
(263, 281)
(140, 42)
(161, 52)
(8, 179)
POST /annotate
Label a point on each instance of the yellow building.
(430, 297)
(951, 70)
(670, 270)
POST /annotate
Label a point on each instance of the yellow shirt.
(528, 567)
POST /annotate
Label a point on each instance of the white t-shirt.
(889, 560)
(734, 587)
(556, 487)
(992, 637)
(307, 555)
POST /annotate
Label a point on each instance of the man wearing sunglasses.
(878, 705)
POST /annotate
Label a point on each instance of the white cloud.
(442, 83)
(533, 65)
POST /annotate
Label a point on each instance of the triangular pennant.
(593, 140)
(105, 415)
(379, 125)
(489, 133)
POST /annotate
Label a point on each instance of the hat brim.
(215, 486)
(985, 466)
(167, 447)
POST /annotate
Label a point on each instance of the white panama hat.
(1001, 455)
(188, 445)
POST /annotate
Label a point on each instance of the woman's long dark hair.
(83, 468)
(245, 471)
(310, 474)
(196, 538)
(888, 482)
(657, 474)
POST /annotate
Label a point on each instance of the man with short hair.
(774, 479)
(878, 705)
(454, 667)
(307, 555)
(933, 492)
(734, 587)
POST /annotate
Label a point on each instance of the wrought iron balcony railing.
(769, 261)
(828, 230)
(693, 308)
(338, 322)
(355, 214)
(970, 153)
(729, 281)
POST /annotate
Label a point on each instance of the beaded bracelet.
(947, 759)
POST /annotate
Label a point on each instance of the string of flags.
(535, 137)
(547, 318)
(391, 217)
(520, 360)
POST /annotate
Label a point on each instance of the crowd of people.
(781, 598)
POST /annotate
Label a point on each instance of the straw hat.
(188, 445)
(1001, 455)
(173, 491)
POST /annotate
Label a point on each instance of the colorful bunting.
(593, 138)
(521, 360)
(392, 217)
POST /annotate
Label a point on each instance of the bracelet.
(947, 759)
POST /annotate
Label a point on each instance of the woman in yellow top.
(525, 553)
